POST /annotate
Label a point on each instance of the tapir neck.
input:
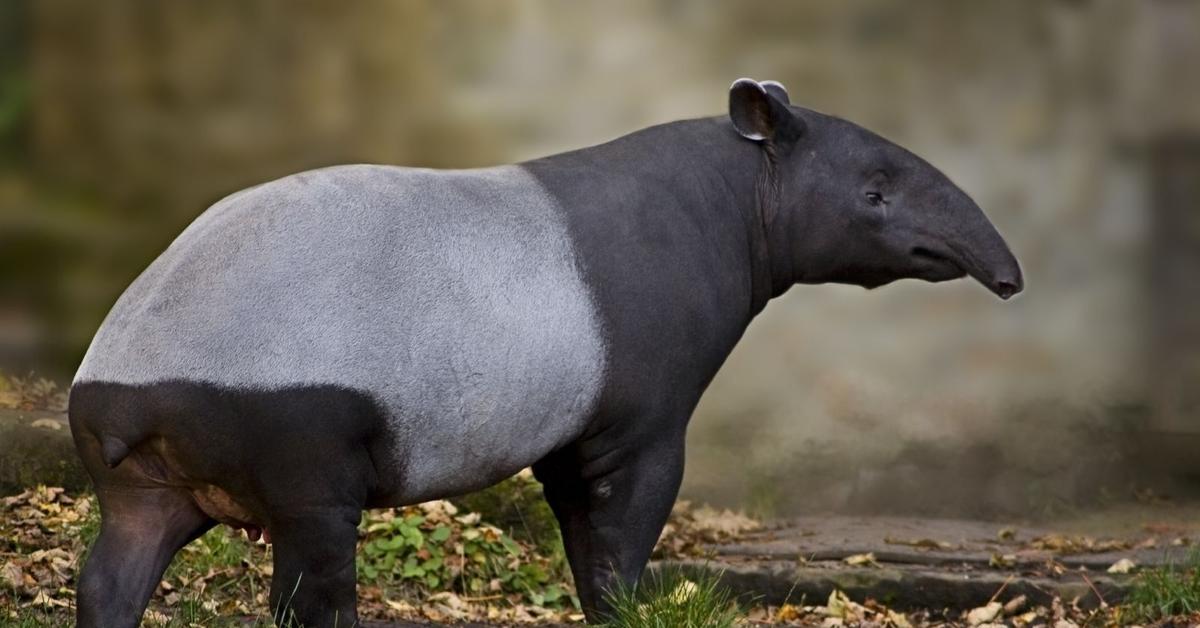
(668, 229)
(708, 172)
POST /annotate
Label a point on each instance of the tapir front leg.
(611, 501)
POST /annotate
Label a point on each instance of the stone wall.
(914, 396)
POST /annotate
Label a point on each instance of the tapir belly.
(452, 299)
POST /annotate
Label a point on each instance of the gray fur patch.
(452, 297)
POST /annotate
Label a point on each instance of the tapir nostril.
(1006, 289)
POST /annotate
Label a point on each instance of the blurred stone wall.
(183, 102)
(913, 397)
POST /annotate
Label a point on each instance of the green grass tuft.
(1167, 591)
(673, 599)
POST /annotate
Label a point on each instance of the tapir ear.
(759, 111)
(776, 89)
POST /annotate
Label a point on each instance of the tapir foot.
(611, 506)
(140, 531)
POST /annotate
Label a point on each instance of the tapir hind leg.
(141, 529)
(611, 501)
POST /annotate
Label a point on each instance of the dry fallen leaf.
(859, 560)
(1014, 605)
(10, 399)
(984, 614)
(1122, 566)
(399, 605)
(12, 575)
(842, 607)
(1063, 544)
(723, 522)
(683, 592)
(788, 612)
(898, 620)
(1002, 560)
(689, 530)
(919, 543)
(840, 610)
(43, 600)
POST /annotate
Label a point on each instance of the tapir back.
(452, 298)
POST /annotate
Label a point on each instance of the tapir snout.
(982, 253)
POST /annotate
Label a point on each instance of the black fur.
(306, 486)
(686, 230)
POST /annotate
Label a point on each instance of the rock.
(36, 448)
(775, 582)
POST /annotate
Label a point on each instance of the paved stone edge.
(778, 582)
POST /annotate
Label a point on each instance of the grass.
(673, 599)
(190, 614)
(406, 554)
(1169, 591)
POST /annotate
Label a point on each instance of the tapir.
(368, 336)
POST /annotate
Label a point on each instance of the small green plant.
(1168, 591)
(405, 554)
(431, 548)
(670, 599)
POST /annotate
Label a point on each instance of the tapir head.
(850, 207)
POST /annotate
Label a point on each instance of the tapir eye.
(875, 198)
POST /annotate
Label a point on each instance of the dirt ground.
(1089, 558)
(911, 562)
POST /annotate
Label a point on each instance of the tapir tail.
(112, 450)
(103, 419)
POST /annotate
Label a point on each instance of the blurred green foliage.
(15, 102)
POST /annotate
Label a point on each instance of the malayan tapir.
(366, 336)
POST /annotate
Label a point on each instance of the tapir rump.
(366, 336)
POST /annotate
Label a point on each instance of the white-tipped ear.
(748, 110)
(776, 89)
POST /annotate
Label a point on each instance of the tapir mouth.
(943, 265)
(935, 265)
